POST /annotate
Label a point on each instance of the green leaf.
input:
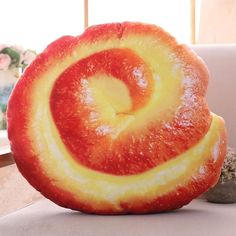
(14, 55)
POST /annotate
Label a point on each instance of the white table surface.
(46, 219)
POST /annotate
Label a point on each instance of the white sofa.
(221, 95)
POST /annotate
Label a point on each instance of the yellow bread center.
(111, 95)
(112, 101)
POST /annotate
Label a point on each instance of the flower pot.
(8, 79)
(224, 192)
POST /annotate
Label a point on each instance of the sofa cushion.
(221, 95)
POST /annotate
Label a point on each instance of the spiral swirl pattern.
(115, 121)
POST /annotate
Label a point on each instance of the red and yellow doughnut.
(115, 121)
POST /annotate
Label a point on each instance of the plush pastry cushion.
(115, 121)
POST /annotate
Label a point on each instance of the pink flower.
(28, 57)
(5, 61)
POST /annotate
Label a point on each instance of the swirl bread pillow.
(115, 121)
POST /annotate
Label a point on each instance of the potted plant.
(225, 190)
(13, 60)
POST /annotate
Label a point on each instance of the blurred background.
(35, 23)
